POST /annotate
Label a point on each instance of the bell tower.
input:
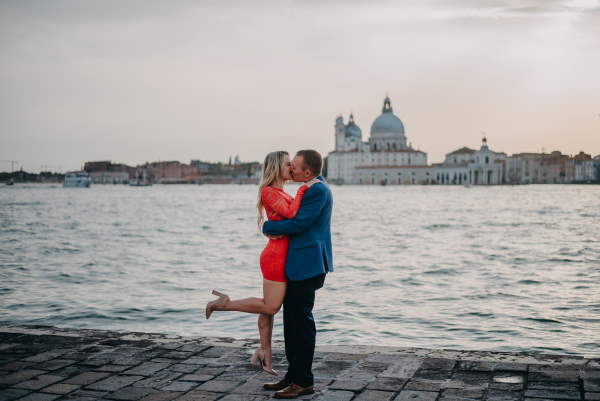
(340, 133)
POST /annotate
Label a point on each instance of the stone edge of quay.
(351, 349)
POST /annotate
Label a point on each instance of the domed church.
(385, 158)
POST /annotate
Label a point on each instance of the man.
(309, 259)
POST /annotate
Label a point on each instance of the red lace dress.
(279, 205)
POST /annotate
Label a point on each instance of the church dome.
(387, 122)
(353, 130)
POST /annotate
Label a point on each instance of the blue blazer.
(310, 252)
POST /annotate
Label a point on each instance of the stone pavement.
(40, 363)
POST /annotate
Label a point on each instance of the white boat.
(141, 179)
(136, 183)
(79, 179)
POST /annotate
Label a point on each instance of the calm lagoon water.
(483, 268)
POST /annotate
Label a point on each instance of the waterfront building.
(233, 172)
(455, 168)
(584, 168)
(107, 172)
(471, 167)
(557, 168)
(385, 158)
(388, 158)
(173, 172)
(487, 167)
(525, 168)
(540, 168)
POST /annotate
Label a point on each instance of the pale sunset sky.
(136, 81)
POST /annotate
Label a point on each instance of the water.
(497, 268)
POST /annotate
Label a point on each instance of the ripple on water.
(443, 272)
(542, 320)
(529, 282)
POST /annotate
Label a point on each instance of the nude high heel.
(219, 294)
(214, 305)
(259, 357)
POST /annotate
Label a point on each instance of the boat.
(10, 182)
(77, 179)
(136, 183)
(141, 179)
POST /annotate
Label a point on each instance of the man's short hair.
(312, 160)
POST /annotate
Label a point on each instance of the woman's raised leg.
(270, 303)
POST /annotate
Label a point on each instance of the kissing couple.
(293, 264)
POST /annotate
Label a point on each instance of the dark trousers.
(299, 329)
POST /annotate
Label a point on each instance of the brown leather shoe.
(280, 385)
(293, 391)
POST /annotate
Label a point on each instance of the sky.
(148, 80)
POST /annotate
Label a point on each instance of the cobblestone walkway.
(45, 363)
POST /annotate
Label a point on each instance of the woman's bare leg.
(265, 321)
(264, 324)
(273, 293)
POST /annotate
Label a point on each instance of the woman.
(278, 205)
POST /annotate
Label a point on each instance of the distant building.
(525, 168)
(557, 168)
(544, 168)
(385, 158)
(173, 172)
(106, 172)
(472, 167)
(236, 172)
(585, 170)
(202, 167)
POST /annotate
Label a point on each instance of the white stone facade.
(585, 171)
(471, 167)
(384, 159)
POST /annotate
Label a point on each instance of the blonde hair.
(272, 170)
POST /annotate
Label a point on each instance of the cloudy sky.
(135, 81)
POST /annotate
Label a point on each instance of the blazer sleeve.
(312, 204)
(280, 205)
